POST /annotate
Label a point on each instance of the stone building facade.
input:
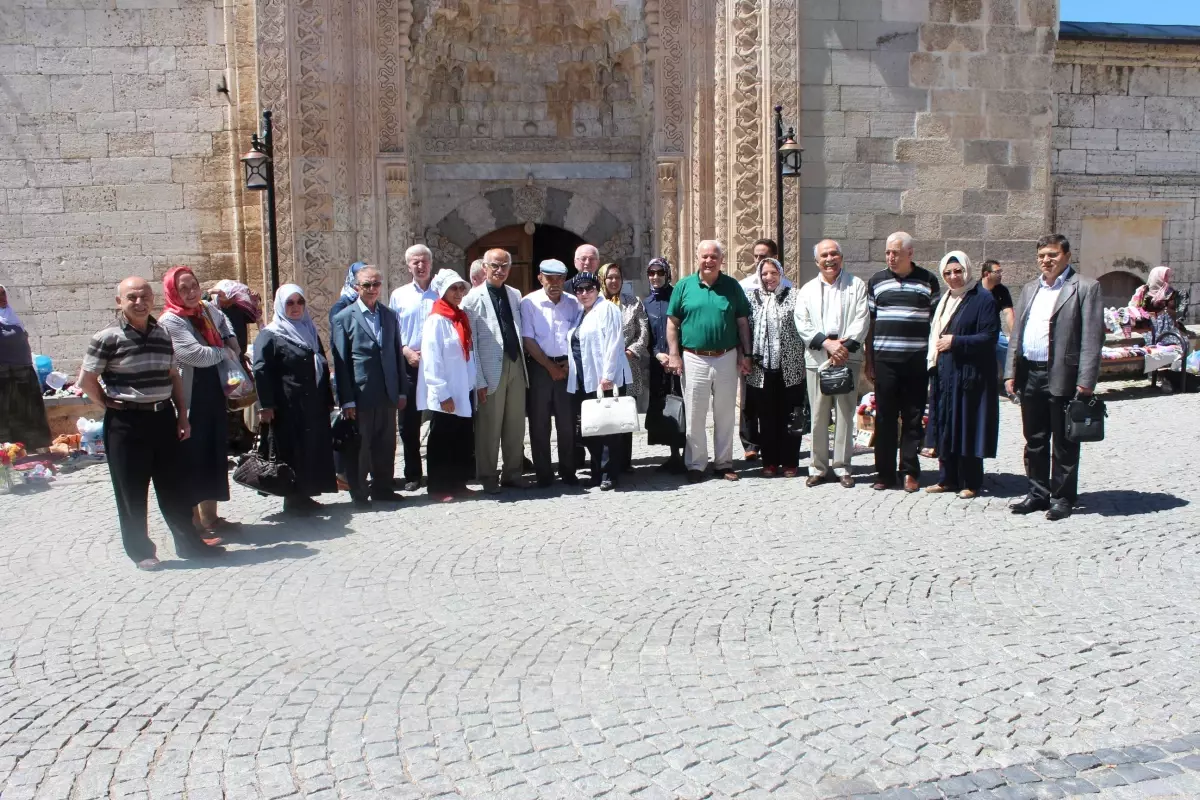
(641, 126)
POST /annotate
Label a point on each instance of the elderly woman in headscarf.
(349, 295)
(445, 381)
(598, 362)
(965, 408)
(240, 304)
(206, 351)
(659, 382)
(22, 412)
(635, 326)
(775, 385)
(1155, 305)
(296, 395)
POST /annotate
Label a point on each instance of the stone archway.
(530, 204)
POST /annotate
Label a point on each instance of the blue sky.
(1151, 12)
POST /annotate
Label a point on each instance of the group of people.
(479, 362)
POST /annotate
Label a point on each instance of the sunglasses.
(371, 284)
(954, 272)
(656, 272)
(291, 303)
(586, 289)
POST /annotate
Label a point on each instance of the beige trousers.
(822, 405)
(710, 379)
(500, 426)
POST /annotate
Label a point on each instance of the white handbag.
(606, 416)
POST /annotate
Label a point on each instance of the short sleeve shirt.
(134, 366)
(708, 315)
(1003, 297)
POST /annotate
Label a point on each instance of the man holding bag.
(832, 318)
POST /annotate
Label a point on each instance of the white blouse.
(601, 348)
(444, 374)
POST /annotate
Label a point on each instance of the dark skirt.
(206, 452)
(22, 412)
(449, 453)
(661, 383)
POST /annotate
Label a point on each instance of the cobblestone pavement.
(722, 640)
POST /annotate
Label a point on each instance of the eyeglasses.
(371, 284)
(299, 302)
(495, 265)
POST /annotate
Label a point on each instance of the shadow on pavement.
(328, 524)
(1005, 484)
(1126, 503)
(244, 558)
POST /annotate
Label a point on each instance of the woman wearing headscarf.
(598, 363)
(635, 326)
(240, 305)
(1155, 305)
(203, 340)
(659, 382)
(445, 380)
(349, 295)
(292, 375)
(22, 412)
(965, 408)
(775, 385)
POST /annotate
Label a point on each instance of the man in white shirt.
(411, 303)
(1053, 356)
(547, 316)
(832, 318)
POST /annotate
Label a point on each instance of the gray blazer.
(191, 350)
(486, 336)
(367, 372)
(1076, 336)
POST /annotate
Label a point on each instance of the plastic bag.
(91, 435)
(235, 381)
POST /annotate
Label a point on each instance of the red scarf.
(174, 303)
(461, 324)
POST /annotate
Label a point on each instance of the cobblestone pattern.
(721, 640)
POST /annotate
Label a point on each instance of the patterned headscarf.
(1159, 285)
(350, 286)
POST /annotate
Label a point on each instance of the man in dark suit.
(1053, 356)
(371, 385)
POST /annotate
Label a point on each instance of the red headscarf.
(462, 325)
(174, 303)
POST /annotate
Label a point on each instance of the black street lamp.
(260, 174)
(788, 158)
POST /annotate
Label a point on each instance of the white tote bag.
(606, 416)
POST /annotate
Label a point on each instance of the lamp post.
(260, 175)
(788, 158)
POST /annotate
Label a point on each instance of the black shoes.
(361, 503)
(1030, 504)
(606, 485)
(386, 497)
(1059, 509)
(696, 476)
(412, 486)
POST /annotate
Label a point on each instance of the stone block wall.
(1125, 159)
(931, 116)
(115, 156)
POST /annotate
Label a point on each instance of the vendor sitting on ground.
(1155, 309)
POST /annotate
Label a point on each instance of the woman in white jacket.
(598, 363)
(444, 383)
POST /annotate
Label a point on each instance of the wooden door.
(519, 245)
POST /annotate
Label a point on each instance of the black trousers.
(748, 421)
(1051, 461)
(409, 421)
(608, 454)
(142, 446)
(546, 400)
(774, 403)
(901, 388)
(375, 453)
(450, 456)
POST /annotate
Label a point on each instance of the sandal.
(928, 452)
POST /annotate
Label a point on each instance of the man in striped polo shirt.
(901, 299)
(142, 393)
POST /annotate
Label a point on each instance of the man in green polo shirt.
(708, 335)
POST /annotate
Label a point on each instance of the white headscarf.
(949, 303)
(301, 331)
(8, 314)
(446, 278)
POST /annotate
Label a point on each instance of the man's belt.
(129, 405)
(708, 353)
(1036, 364)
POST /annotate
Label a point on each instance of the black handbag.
(799, 421)
(262, 471)
(343, 432)
(1085, 419)
(671, 425)
(836, 380)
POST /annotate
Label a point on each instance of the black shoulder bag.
(262, 471)
(1085, 419)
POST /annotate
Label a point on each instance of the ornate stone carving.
(445, 252)
(720, 125)
(668, 194)
(605, 144)
(619, 246)
(398, 226)
(745, 130)
(700, 93)
(404, 15)
(782, 33)
(529, 203)
(273, 89)
(669, 92)
(650, 14)
(389, 78)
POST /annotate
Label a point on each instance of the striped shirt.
(901, 309)
(133, 366)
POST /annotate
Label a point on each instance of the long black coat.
(966, 403)
(287, 382)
